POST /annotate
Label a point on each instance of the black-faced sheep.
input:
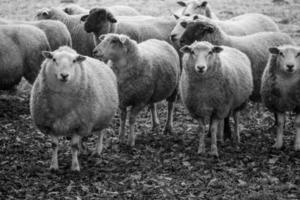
(280, 89)
(56, 32)
(216, 80)
(147, 73)
(139, 28)
(255, 46)
(241, 25)
(191, 7)
(82, 42)
(20, 54)
(73, 96)
(75, 9)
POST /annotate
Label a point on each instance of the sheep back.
(20, 53)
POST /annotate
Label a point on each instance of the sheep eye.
(281, 54)
(192, 52)
(298, 54)
(114, 41)
(54, 60)
(210, 53)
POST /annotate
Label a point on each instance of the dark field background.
(160, 166)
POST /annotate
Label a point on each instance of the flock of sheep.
(215, 66)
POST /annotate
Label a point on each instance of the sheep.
(245, 24)
(254, 46)
(215, 81)
(56, 32)
(101, 21)
(147, 73)
(20, 54)
(280, 88)
(82, 42)
(73, 96)
(191, 7)
(74, 9)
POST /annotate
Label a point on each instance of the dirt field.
(160, 166)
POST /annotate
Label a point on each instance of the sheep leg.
(227, 128)
(54, 160)
(236, 136)
(169, 123)
(122, 125)
(279, 130)
(214, 129)
(99, 144)
(75, 148)
(201, 132)
(221, 131)
(155, 121)
(297, 139)
(133, 113)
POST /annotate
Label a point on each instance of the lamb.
(215, 81)
(191, 7)
(139, 28)
(56, 32)
(82, 42)
(20, 54)
(74, 9)
(254, 46)
(280, 88)
(147, 73)
(73, 96)
(245, 24)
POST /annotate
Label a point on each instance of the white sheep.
(255, 46)
(73, 96)
(56, 32)
(74, 9)
(82, 42)
(21, 47)
(245, 24)
(138, 28)
(147, 73)
(280, 89)
(191, 7)
(216, 80)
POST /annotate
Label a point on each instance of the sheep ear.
(45, 13)
(47, 54)
(186, 49)
(181, 3)
(217, 49)
(209, 29)
(274, 50)
(80, 58)
(83, 18)
(176, 16)
(195, 17)
(101, 37)
(66, 10)
(204, 4)
(111, 18)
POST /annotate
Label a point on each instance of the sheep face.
(202, 58)
(44, 13)
(180, 27)
(200, 30)
(111, 47)
(193, 6)
(98, 21)
(288, 59)
(63, 66)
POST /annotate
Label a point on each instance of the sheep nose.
(290, 67)
(173, 37)
(200, 68)
(64, 76)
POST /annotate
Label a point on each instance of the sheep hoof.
(75, 168)
(53, 168)
(155, 129)
(168, 130)
(277, 146)
(214, 154)
(201, 151)
(131, 143)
